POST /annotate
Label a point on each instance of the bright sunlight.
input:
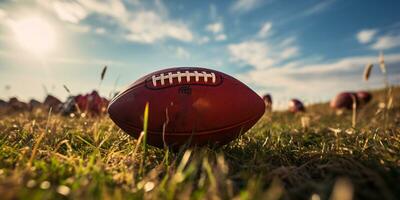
(35, 35)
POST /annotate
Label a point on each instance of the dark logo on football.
(186, 89)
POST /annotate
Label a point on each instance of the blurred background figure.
(92, 104)
(268, 102)
(16, 105)
(96, 104)
(363, 97)
(34, 104)
(296, 105)
(3, 104)
(343, 100)
(52, 102)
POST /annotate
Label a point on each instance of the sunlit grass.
(47, 156)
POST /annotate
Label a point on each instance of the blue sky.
(306, 49)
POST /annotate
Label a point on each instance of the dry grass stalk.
(103, 73)
(343, 190)
(275, 191)
(39, 140)
(382, 63)
(67, 89)
(75, 103)
(387, 86)
(390, 101)
(213, 182)
(389, 96)
(367, 71)
(305, 122)
(139, 140)
(354, 116)
(315, 197)
(145, 123)
(165, 128)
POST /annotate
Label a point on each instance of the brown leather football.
(187, 105)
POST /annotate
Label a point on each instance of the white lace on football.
(179, 75)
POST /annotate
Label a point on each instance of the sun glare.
(35, 35)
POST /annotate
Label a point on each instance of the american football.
(187, 105)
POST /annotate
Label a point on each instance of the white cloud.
(79, 28)
(289, 52)
(365, 36)
(220, 37)
(3, 14)
(216, 27)
(244, 5)
(316, 8)
(288, 41)
(182, 53)
(148, 27)
(252, 53)
(100, 31)
(6, 54)
(143, 26)
(343, 64)
(203, 40)
(69, 11)
(316, 80)
(386, 42)
(213, 12)
(161, 8)
(319, 7)
(115, 9)
(138, 24)
(261, 54)
(265, 29)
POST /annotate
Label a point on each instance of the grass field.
(316, 155)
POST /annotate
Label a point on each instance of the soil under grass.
(46, 156)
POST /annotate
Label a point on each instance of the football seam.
(179, 75)
(147, 81)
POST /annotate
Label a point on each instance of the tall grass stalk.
(388, 96)
(142, 137)
(382, 66)
(367, 71)
(113, 91)
(102, 75)
(166, 149)
(139, 140)
(39, 140)
(67, 89)
(75, 103)
(354, 109)
(211, 177)
(145, 123)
